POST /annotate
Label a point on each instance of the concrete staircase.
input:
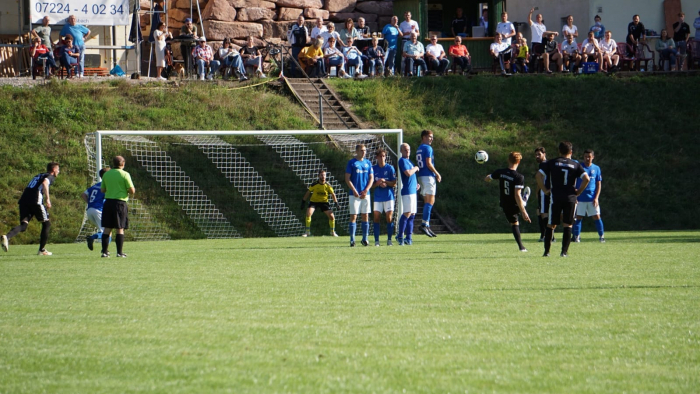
(335, 115)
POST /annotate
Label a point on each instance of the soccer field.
(453, 314)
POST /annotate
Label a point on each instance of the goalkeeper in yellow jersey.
(319, 192)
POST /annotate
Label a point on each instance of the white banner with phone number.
(87, 12)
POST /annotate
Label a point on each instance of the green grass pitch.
(454, 314)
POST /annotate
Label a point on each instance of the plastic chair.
(642, 56)
(624, 56)
(693, 54)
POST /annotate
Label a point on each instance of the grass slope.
(451, 314)
(49, 122)
(644, 131)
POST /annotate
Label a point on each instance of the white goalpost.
(241, 160)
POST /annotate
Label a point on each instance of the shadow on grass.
(660, 239)
(623, 287)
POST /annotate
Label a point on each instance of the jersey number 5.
(506, 188)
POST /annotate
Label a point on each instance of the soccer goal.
(230, 184)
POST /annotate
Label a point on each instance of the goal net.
(230, 184)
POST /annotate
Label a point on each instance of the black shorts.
(28, 211)
(323, 206)
(115, 214)
(564, 210)
(511, 214)
(543, 200)
(537, 48)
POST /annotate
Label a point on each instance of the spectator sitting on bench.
(436, 57)
(40, 53)
(590, 50)
(608, 48)
(551, 53)
(501, 51)
(460, 56)
(68, 55)
(413, 53)
(334, 57)
(571, 57)
(523, 53)
(375, 56)
(353, 57)
(204, 58)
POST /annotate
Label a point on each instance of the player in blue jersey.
(384, 182)
(588, 200)
(95, 200)
(35, 202)
(359, 177)
(409, 196)
(428, 177)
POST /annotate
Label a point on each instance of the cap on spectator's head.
(202, 39)
(187, 20)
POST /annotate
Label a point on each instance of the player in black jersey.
(542, 199)
(561, 174)
(512, 202)
(35, 201)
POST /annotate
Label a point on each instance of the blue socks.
(409, 225)
(365, 230)
(576, 230)
(402, 227)
(376, 232)
(599, 227)
(352, 228)
(390, 229)
(427, 209)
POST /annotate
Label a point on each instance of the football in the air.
(481, 157)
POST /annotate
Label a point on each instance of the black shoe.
(90, 242)
(121, 254)
(563, 255)
(432, 234)
(545, 254)
(554, 240)
(352, 244)
(105, 254)
(364, 242)
(426, 230)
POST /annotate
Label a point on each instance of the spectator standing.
(408, 26)
(298, 37)
(189, 30)
(79, 33)
(160, 35)
(436, 57)
(117, 186)
(35, 202)
(204, 58)
(391, 33)
(413, 52)
(459, 24)
(326, 36)
(349, 31)
(696, 25)
(484, 20)
(252, 57)
(569, 27)
(539, 30)
(43, 32)
(608, 48)
(570, 56)
(318, 29)
(681, 34)
(362, 28)
(667, 49)
(460, 56)
(635, 35)
(522, 56)
(505, 28)
(501, 51)
(598, 29)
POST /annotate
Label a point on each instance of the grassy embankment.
(644, 130)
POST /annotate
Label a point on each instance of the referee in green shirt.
(116, 185)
